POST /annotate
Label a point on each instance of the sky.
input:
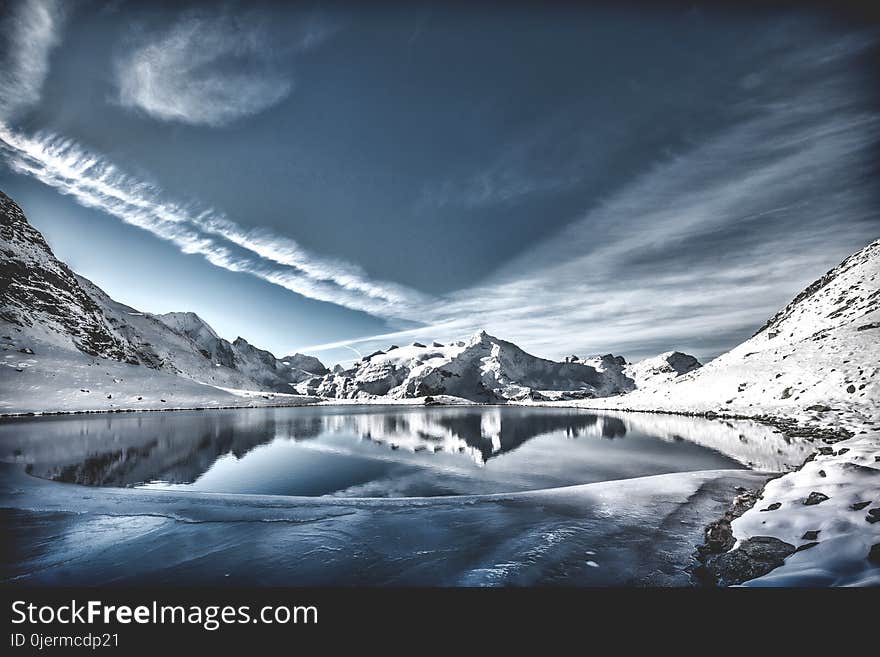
(333, 178)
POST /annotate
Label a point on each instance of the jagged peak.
(480, 337)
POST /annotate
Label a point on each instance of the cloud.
(699, 251)
(97, 183)
(30, 30)
(205, 71)
(695, 253)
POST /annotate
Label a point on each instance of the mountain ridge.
(43, 299)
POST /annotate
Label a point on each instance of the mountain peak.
(188, 323)
(480, 337)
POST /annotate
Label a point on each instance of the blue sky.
(576, 179)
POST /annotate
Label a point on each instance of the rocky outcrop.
(755, 557)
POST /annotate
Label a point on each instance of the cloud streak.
(30, 31)
(696, 253)
(96, 183)
(205, 71)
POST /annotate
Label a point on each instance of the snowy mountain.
(258, 364)
(53, 323)
(822, 349)
(481, 369)
(38, 290)
(814, 369)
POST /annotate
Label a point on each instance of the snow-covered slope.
(481, 369)
(258, 364)
(656, 371)
(815, 365)
(822, 349)
(54, 323)
(183, 343)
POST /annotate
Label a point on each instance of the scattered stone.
(816, 498)
(806, 546)
(858, 506)
(773, 506)
(822, 473)
(26, 350)
(811, 535)
(874, 554)
(417, 344)
(719, 536)
(436, 344)
(819, 408)
(850, 388)
(842, 451)
(756, 556)
(873, 515)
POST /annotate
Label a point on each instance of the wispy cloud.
(696, 253)
(522, 168)
(30, 30)
(95, 182)
(206, 70)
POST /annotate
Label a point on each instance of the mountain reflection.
(126, 450)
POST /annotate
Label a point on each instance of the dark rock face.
(37, 289)
(858, 506)
(874, 554)
(811, 535)
(755, 557)
(815, 498)
(682, 363)
(873, 515)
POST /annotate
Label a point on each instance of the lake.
(366, 451)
